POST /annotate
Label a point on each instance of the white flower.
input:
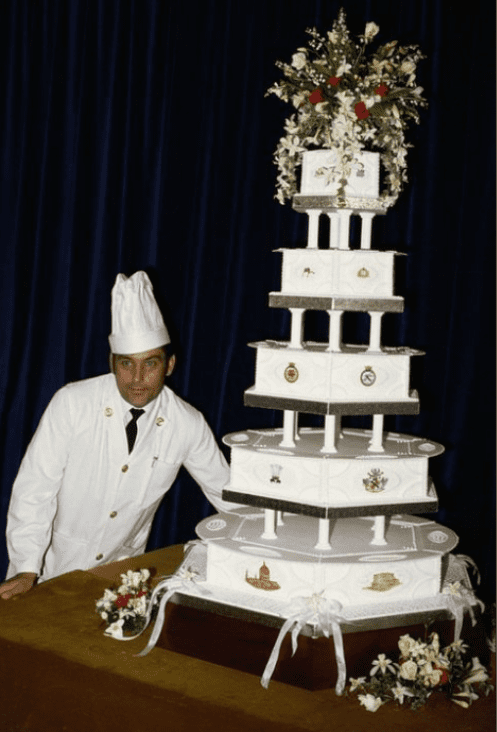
(371, 31)
(357, 683)
(104, 615)
(343, 68)
(459, 646)
(399, 692)
(406, 644)
(382, 664)
(431, 676)
(372, 703)
(452, 589)
(467, 692)
(409, 670)
(299, 60)
(478, 673)
(407, 67)
(116, 629)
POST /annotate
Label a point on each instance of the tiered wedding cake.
(327, 537)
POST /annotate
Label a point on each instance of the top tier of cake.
(320, 176)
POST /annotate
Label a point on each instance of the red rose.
(382, 90)
(122, 600)
(444, 678)
(361, 111)
(334, 80)
(141, 593)
(316, 96)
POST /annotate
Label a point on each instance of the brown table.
(59, 672)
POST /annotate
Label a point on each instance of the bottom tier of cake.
(359, 566)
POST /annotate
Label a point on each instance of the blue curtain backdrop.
(135, 135)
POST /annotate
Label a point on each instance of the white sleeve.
(33, 502)
(207, 465)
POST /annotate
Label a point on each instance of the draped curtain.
(136, 135)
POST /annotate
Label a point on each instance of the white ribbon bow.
(325, 616)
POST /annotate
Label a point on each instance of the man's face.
(140, 376)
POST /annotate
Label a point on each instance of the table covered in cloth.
(59, 672)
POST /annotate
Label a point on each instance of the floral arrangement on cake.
(124, 609)
(348, 101)
(422, 669)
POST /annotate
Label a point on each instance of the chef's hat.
(137, 323)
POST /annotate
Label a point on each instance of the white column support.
(324, 534)
(269, 525)
(297, 333)
(313, 230)
(334, 228)
(376, 443)
(379, 531)
(289, 426)
(279, 518)
(344, 217)
(367, 220)
(331, 430)
(335, 334)
(375, 331)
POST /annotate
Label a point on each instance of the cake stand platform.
(241, 639)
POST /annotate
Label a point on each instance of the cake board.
(229, 636)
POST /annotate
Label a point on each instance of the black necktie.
(132, 427)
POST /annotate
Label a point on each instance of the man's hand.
(22, 582)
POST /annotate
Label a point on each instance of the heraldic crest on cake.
(331, 531)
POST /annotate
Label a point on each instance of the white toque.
(137, 323)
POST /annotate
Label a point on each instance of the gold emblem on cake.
(375, 481)
(263, 581)
(291, 373)
(383, 581)
(363, 272)
(307, 272)
(368, 376)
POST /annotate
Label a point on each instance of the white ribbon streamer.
(325, 616)
(459, 598)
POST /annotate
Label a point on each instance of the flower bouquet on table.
(124, 609)
(422, 669)
(348, 101)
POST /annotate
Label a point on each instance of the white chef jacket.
(80, 500)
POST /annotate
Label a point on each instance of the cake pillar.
(289, 426)
(335, 330)
(376, 443)
(269, 525)
(334, 228)
(297, 327)
(324, 534)
(367, 220)
(379, 531)
(313, 230)
(331, 429)
(344, 217)
(375, 331)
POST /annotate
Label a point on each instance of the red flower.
(382, 90)
(316, 96)
(122, 600)
(361, 111)
(141, 593)
(334, 80)
(444, 678)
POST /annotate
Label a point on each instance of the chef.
(106, 451)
